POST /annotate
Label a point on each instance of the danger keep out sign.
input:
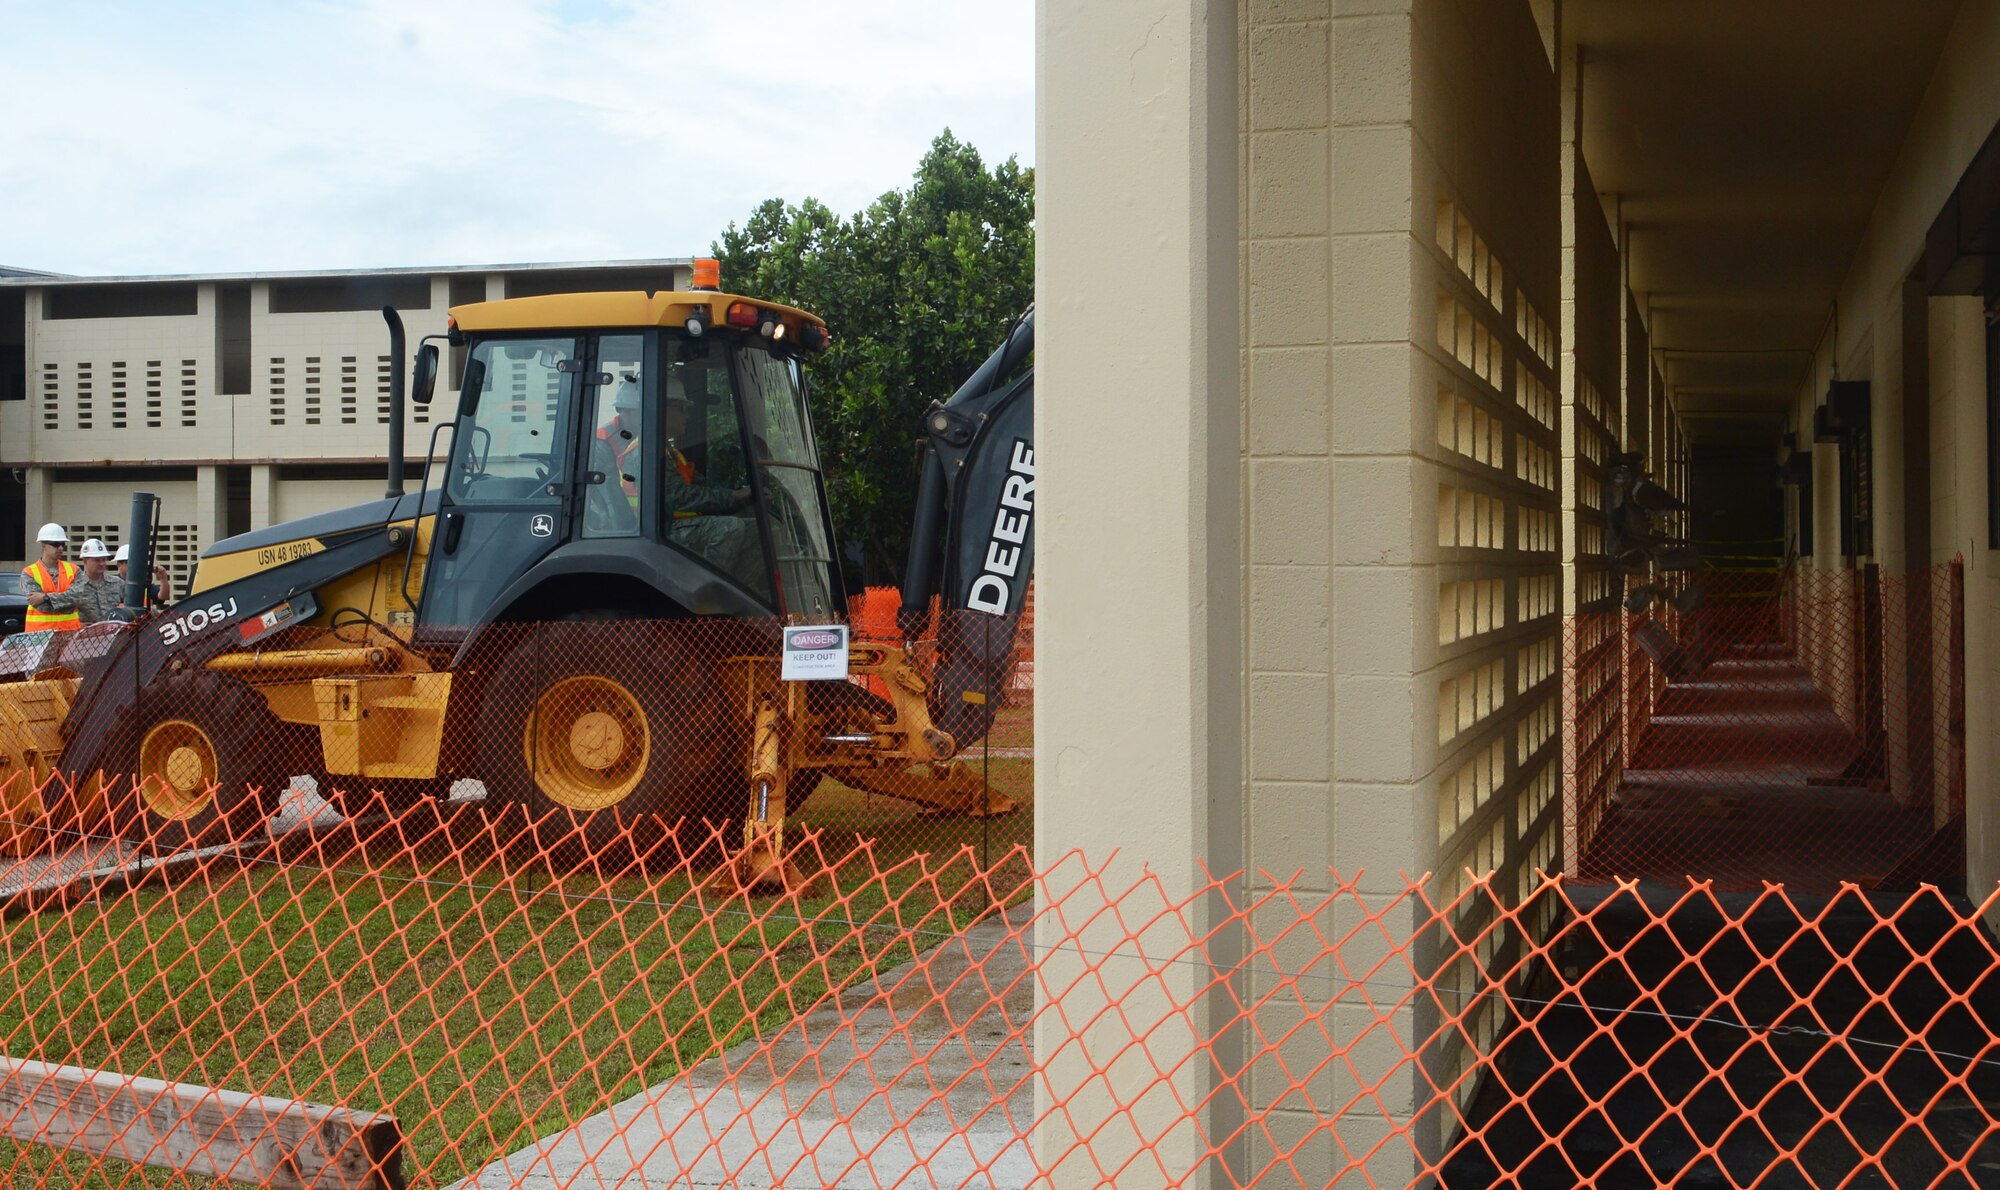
(815, 653)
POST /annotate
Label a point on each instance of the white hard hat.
(54, 534)
(124, 554)
(93, 548)
(626, 396)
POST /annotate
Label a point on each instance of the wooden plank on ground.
(50, 881)
(252, 1139)
(102, 864)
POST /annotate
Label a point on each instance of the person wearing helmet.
(621, 436)
(703, 516)
(614, 511)
(49, 578)
(95, 595)
(155, 591)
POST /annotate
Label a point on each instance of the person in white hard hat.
(621, 437)
(156, 590)
(49, 578)
(614, 511)
(94, 595)
(94, 551)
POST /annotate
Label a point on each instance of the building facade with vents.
(242, 400)
(1375, 294)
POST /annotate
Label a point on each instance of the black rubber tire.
(676, 704)
(250, 756)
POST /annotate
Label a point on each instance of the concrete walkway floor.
(1736, 782)
(919, 1077)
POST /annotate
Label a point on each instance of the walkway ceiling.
(1743, 143)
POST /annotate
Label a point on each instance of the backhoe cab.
(579, 607)
(612, 455)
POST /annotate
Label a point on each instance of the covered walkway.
(1398, 308)
(1762, 1039)
(1745, 774)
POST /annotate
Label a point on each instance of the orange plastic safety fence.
(592, 729)
(1087, 1025)
(470, 881)
(1805, 727)
(329, 911)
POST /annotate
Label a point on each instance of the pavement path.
(918, 1077)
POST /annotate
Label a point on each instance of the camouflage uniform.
(700, 521)
(91, 599)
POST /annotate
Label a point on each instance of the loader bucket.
(38, 685)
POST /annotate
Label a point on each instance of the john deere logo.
(543, 525)
(815, 639)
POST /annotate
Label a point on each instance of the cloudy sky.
(148, 137)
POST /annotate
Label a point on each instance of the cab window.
(781, 435)
(617, 446)
(703, 483)
(506, 450)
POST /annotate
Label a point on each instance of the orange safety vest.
(618, 456)
(55, 584)
(686, 469)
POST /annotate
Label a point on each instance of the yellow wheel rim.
(587, 742)
(178, 770)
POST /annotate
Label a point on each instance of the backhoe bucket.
(37, 807)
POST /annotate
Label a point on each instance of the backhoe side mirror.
(424, 382)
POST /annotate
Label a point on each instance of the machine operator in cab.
(620, 439)
(703, 515)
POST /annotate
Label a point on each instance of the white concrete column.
(1958, 493)
(40, 501)
(263, 495)
(1576, 508)
(1900, 435)
(211, 505)
(1139, 708)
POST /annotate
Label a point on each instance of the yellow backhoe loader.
(582, 606)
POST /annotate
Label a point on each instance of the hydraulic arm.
(973, 544)
(973, 540)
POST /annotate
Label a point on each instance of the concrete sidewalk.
(919, 1077)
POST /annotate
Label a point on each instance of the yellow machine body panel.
(218, 569)
(567, 311)
(375, 592)
(347, 671)
(31, 715)
(382, 725)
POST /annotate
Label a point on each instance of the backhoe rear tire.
(594, 729)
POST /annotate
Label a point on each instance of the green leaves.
(917, 289)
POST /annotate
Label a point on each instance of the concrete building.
(241, 399)
(1371, 290)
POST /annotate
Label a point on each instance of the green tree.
(916, 291)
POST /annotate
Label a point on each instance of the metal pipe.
(139, 551)
(298, 661)
(396, 399)
(920, 577)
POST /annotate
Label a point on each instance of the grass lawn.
(899, 828)
(1013, 727)
(476, 1005)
